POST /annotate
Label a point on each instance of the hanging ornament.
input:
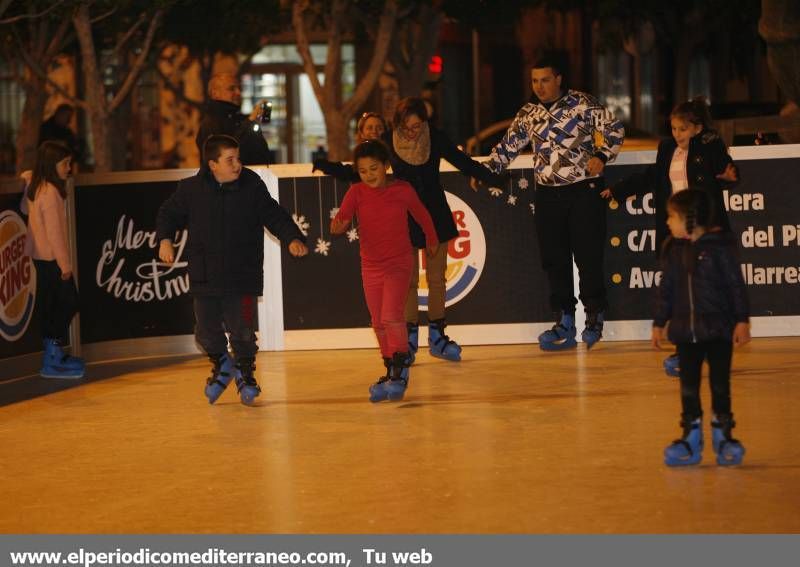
(299, 220)
(323, 246)
(512, 199)
(335, 208)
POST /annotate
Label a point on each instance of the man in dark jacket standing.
(222, 116)
(225, 208)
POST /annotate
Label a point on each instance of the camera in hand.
(266, 112)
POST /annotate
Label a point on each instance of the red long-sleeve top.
(383, 219)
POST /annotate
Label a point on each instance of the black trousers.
(56, 300)
(718, 353)
(571, 221)
(234, 314)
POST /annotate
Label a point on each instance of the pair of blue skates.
(393, 385)
(562, 335)
(225, 370)
(57, 364)
(688, 450)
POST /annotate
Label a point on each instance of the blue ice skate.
(57, 364)
(413, 341)
(729, 451)
(377, 391)
(221, 375)
(688, 450)
(672, 365)
(57, 361)
(246, 383)
(593, 331)
(561, 336)
(440, 345)
(398, 377)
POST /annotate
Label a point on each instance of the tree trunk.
(328, 94)
(97, 110)
(412, 51)
(30, 121)
(336, 125)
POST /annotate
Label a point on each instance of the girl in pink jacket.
(47, 245)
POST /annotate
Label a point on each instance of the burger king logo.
(466, 256)
(17, 278)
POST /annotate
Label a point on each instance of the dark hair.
(44, 171)
(695, 206)
(363, 120)
(409, 106)
(694, 111)
(214, 144)
(550, 60)
(374, 149)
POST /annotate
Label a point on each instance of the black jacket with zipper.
(706, 302)
(225, 246)
(427, 183)
(222, 117)
(707, 157)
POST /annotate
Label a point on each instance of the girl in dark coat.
(696, 156)
(703, 297)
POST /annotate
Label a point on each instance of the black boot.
(246, 383)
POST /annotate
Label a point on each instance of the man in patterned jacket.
(564, 128)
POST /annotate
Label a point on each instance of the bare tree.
(415, 42)
(338, 112)
(98, 104)
(31, 44)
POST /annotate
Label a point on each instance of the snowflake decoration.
(522, 183)
(533, 208)
(352, 235)
(512, 200)
(334, 210)
(302, 223)
(495, 191)
(323, 246)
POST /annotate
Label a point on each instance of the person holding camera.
(222, 116)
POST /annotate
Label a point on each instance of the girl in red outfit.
(386, 257)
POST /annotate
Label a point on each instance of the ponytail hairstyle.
(44, 171)
(695, 207)
(695, 111)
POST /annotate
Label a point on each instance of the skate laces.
(246, 380)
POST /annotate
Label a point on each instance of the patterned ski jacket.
(563, 138)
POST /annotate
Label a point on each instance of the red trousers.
(385, 289)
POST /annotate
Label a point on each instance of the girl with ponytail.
(703, 297)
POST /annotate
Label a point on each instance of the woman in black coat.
(416, 149)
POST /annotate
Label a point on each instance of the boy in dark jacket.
(225, 208)
(703, 297)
